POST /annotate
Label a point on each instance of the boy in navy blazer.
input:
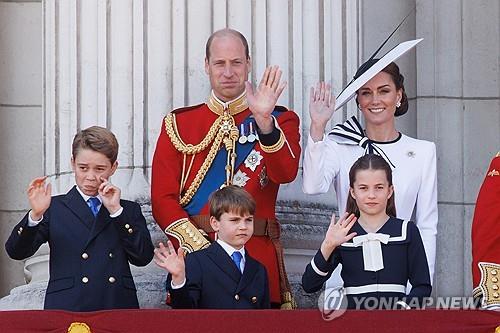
(93, 235)
(224, 275)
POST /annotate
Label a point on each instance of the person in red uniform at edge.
(240, 137)
(486, 240)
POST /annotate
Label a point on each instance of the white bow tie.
(372, 251)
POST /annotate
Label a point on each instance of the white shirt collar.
(229, 249)
(86, 197)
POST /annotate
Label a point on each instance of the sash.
(215, 178)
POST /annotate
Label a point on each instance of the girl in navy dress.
(379, 253)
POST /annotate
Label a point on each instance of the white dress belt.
(373, 288)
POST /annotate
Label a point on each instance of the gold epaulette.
(489, 284)
(190, 238)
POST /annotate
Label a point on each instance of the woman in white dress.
(328, 158)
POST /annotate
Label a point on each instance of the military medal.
(263, 179)
(243, 138)
(253, 159)
(240, 179)
(251, 136)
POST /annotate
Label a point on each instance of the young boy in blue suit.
(224, 275)
(93, 235)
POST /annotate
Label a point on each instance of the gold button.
(111, 255)
(496, 295)
(130, 231)
(493, 272)
(111, 279)
(494, 279)
(85, 279)
(237, 297)
(494, 287)
(127, 226)
(85, 255)
(254, 299)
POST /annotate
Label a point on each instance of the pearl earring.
(398, 104)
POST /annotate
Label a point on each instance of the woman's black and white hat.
(373, 66)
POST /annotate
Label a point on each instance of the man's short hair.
(225, 32)
(97, 139)
(231, 199)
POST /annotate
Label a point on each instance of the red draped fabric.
(251, 321)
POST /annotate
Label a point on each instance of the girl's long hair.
(370, 162)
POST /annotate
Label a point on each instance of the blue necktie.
(237, 259)
(94, 203)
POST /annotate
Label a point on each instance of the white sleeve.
(427, 208)
(117, 213)
(179, 286)
(31, 222)
(320, 165)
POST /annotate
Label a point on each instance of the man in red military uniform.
(239, 136)
(486, 239)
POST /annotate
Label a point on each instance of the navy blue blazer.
(214, 282)
(89, 256)
(404, 260)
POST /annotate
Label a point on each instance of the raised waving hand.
(337, 233)
(39, 196)
(173, 262)
(263, 99)
(321, 108)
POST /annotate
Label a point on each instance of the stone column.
(458, 108)
(20, 121)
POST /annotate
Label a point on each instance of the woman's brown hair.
(393, 70)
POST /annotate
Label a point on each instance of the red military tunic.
(279, 167)
(486, 234)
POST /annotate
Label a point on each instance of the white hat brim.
(389, 57)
